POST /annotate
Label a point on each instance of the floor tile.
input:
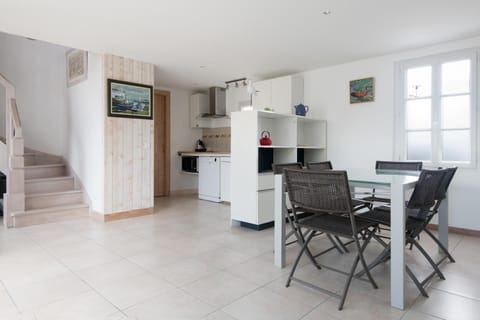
(448, 306)
(175, 304)
(185, 271)
(264, 304)
(223, 257)
(47, 291)
(218, 315)
(219, 289)
(130, 290)
(257, 270)
(88, 305)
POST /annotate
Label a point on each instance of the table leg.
(397, 267)
(443, 223)
(279, 232)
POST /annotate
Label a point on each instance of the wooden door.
(161, 117)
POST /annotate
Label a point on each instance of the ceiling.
(200, 43)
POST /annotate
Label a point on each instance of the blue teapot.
(301, 110)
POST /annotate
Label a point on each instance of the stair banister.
(14, 199)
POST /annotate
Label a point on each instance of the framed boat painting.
(129, 100)
(362, 90)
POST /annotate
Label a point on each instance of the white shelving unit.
(294, 138)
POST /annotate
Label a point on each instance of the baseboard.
(257, 227)
(122, 215)
(462, 231)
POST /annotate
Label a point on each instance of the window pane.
(456, 112)
(419, 82)
(456, 145)
(419, 146)
(456, 77)
(419, 114)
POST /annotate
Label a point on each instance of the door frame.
(166, 94)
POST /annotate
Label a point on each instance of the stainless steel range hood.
(217, 103)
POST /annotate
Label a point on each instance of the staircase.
(39, 187)
(50, 193)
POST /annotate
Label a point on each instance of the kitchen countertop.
(205, 153)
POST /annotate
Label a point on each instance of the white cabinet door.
(263, 97)
(236, 98)
(209, 178)
(282, 95)
(225, 179)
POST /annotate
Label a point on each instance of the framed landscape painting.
(362, 90)
(129, 100)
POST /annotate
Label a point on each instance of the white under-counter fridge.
(209, 178)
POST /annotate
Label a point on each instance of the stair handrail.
(14, 199)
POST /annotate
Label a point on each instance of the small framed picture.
(362, 90)
(77, 66)
(129, 100)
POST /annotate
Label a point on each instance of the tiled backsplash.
(217, 139)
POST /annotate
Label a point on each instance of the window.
(436, 104)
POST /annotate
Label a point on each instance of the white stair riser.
(48, 172)
(52, 200)
(49, 186)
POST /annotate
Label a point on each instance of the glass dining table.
(398, 183)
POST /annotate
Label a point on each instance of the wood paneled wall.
(128, 145)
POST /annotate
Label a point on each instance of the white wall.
(182, 137)
(37, 70)
(86, 112)
(360, 134)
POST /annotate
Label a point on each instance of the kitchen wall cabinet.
(236, 98)
(280, 94)
(294, 138)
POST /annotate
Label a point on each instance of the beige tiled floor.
(187, 262)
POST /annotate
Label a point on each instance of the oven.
(189, 164)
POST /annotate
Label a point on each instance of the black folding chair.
(293, 218)
(421, 208)
(327, 195)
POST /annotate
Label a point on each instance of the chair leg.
(442, 247)
(429, 259)
(301, 241)
(335, 244)
(347, 284)
(362, 259)
(297, 260)
(415, 280)
(342, 245)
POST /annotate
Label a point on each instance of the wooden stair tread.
(54, 193)
(50, 209)
(48, 179)
(45, 165)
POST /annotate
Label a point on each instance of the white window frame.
(400, 149)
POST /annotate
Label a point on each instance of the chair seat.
(334, 224)
(358, 203)
(376, 199)
(381, 215)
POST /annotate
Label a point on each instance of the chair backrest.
(318, 166)
(442, 189)
(319, 191)
(278, 168)
(399, 165)
(424, 194)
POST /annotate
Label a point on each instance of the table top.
(381, 177)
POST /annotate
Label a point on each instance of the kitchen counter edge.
(204, 154)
